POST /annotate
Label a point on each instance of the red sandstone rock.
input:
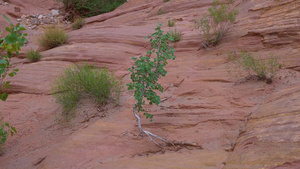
(239, 125)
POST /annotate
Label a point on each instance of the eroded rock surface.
(245, 124)
(271, 133)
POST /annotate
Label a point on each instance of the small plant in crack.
(33, 55)
(175, 35)
(78, 23)
(171, 22)
(10, 45)
(161, 12)
(253, 66)
(5, 130)
(145, 74)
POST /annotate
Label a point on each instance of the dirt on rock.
(238, 123)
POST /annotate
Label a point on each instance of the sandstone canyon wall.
(247, 125)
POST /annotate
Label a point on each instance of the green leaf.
(2, 66)
(172, 39)
(11, 38)
(6, 85)
(3, 62)
(22, 29)
(11, 74)
(14, 129)
(21, 41)
(6, 18)
(3, 96)
(8, 29)
(3, 140)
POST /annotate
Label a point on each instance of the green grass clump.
(166, 0)
(175, 35)
(111, 5)
(171, 23)
(79, 81)
(52, 38)
(253, 66)
(33, 55)
(78, 23)
(88, 8)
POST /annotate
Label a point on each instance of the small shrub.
(171, 23)
(145, 74)
(5, 130)
(254, 66)
(111, 5)
(85, 80)
(175, 35)
(10, 44)
(52, 38)
(78, 23)
(216, 24)
(161, 12)
(166, 0)
(88, 8)
(33, 55)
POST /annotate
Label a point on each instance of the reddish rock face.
(239, 124)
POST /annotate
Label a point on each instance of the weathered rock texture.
(245, 124)
(31, 7)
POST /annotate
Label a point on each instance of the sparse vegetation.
(33, 55)
(90, 8)
(78, 23)
(11, 44)
(79, 81)
(166, 0)
(216, 24)
(52, 37)
(175, 35)
(161, 12)
(253, 66)
(5, 130)
(171, 23)
(145, 74)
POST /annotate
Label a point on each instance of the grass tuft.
(79, 81)
(33, 55)
(78, 23)
(171, 23)
(52, 37)
(175, 35)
